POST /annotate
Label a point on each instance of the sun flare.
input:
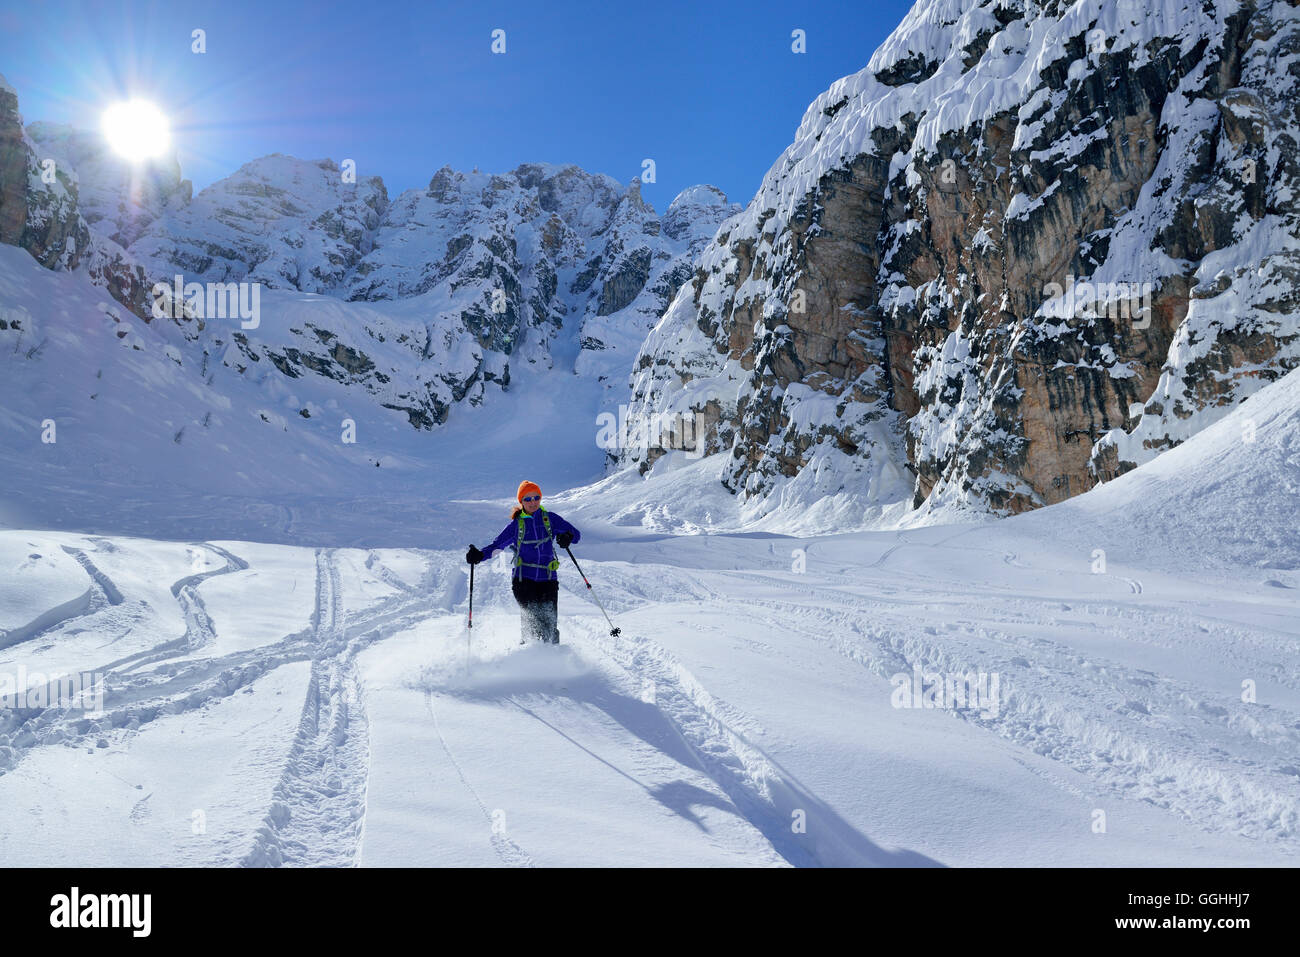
(136, 130)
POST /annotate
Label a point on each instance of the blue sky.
(711, 91)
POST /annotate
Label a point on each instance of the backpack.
(554, 563)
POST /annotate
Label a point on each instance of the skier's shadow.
(640, 719)
(681, 797)
(826, 838)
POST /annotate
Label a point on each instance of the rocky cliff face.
(474, 274)
(116, 198)
(1027, 248)
(38, 205)
(467, 276)
(516, 256)
(279, 221)
(40, 212)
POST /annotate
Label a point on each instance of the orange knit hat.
(525, 488)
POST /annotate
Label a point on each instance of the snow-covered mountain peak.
(118, 199)
(884, 304)
(701, 195)
(438, 297)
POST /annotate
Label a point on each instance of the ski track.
(111, 594)
(1163, 626)
(384, 573)
(34, 727)
(318, 806)
(1134, 585)
(101, 593)
(199, 630)
(903, 540)
(762, 792)
(317, 813)
(1133, 733)
(715, 736)
(1123, 761)
(510, 853)
(52, 619)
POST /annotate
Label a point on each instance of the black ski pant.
(538, 608)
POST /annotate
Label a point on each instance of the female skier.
(531, 531)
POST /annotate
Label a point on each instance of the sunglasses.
(532, 498)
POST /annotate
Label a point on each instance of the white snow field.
(321, 705)
(289, 678)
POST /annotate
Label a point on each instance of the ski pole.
(470, 631)
(614, 632)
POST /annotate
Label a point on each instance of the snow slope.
(151, 439)
(747, 713)
(1229, 499)
(280, 614)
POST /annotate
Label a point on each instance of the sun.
(136, 130)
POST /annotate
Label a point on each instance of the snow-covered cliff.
(1028, 247)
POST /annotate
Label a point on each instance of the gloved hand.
(564, 539)
(473, 556)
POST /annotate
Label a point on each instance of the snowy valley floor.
(278, 704)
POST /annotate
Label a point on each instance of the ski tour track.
(1059, 707)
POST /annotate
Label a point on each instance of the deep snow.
(323, 705)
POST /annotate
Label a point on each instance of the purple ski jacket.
(537, 551)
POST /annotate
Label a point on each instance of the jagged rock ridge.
(478, 270)
(885, 321)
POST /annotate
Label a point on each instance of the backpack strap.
(520, 542)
